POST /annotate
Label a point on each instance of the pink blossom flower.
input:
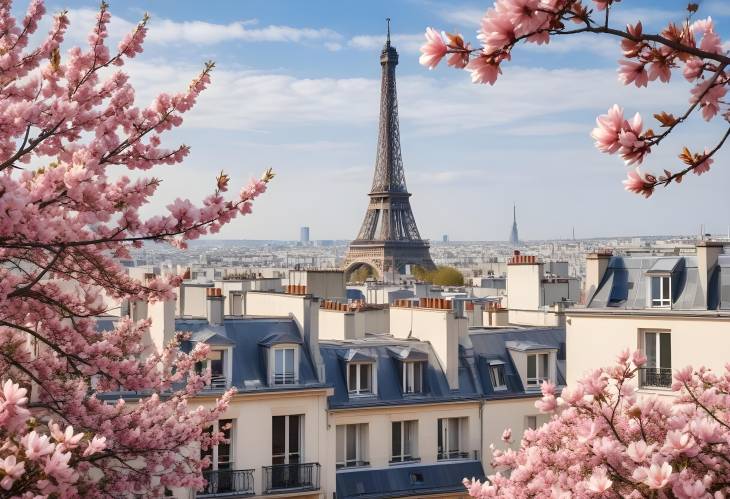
(507, 435)
(633, 72)
(36, 445)
(496, 31)
(657, 477)
(96, 445)
(640, 184)
(638, 358)
(483, 71)
(709, 98)
(599, 481)
(433, 50)
(13, 470)
(704, 165)
(608, 127)
(639, 451)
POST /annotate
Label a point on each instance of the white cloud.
(166, 32)
(430, 104)
(404, 43)
(463, 16)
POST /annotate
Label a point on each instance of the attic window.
(416, 478)
(496, 372)
(412, 377)
(285, 365)
(360, 378)
(537, 369)
(661, 287)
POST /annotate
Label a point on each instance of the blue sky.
(296, 88)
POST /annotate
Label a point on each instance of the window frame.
(660, 301)
(534, 382)
(528, 419)
(213, 451)
(408, 433)
(287, 455)
(408, 383)
(359, 391)
(284, 378)
(361, 445)
(497, 367)
(444, 429)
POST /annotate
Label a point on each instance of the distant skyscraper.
(514, 237)
(304, 235)
(445, 238)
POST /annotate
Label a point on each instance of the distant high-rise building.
(445, 238)
(514, 237)
(304, 235)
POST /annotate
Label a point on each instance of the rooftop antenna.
(387, 41)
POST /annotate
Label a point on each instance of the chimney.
(707, 254)
(596, 266)
(162, 327)
(214, 306)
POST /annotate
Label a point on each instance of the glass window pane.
(278, 361)
(352, 377)
(216, 366)
(340, 444)
(278, 435)
(655, 287)
(294, 430)
(531, 366)
(418, 377)
(408, 437)
(665, 288)
(365, 377)
(289, 361)
(544, 365)
(650, 349)
(395, 438)
(665, 350)
(440, 432)
(351, 442)
(453, 434)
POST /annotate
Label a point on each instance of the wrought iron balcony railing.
(217, 383)
(291, 476)
(223, 483)
(284, 379)
(453, 454)
(655, 377)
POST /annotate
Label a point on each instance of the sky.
(296, 88)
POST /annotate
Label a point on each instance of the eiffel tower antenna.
(388, 239)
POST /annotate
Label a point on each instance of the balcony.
(287, 477)
(227, 483)
(453, 454)
(655, 377)
(217, 383)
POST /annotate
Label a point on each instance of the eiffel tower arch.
(388, 239)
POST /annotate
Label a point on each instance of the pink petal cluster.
(433, 50)
(70, 127)
(615, 444)
(614, 134)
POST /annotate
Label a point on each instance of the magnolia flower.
(483, 71)
(36, 445)
(640, 184)
(639, 452)
(97, 444)
(599, 482)
(704, 165)
(633, 72)
(13, 470)
(507, 435)
(638, 358)
(657, 476)
(13, 394)
(608, 127)
(433, 50)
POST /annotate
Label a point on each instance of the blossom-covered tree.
(691, 47)
(606, 441)
(69, 128)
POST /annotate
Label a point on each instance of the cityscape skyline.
(299, 92)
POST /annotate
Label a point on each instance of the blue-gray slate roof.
(388, 365)
(624, 284)
(406, 480)
(491, 345)
(250, 338)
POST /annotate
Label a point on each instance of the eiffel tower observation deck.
(388, 239)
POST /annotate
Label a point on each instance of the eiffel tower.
(388, 239)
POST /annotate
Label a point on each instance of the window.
(352, 440)
(360, 378)
(661, 291)
(412, 377)
(221, 455)
(497, 374)
(404, 437)
(215, 362)
(286, 439)
(285, 365)
(537, 369)
(451, 438)
(658, 350)
(530, 422)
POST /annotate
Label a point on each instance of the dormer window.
(661, 287)
(360, 378)
(537, 369)
(412, 377)
(285, 365)
(496, 373)
(215, 361)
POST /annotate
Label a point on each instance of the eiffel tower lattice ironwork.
(388, 239)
